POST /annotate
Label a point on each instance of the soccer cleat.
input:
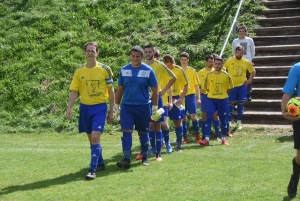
(169, 148)
(178, 149)
(197, 136)
(239, 126)
(224, 142)
(152, 151)
(185, 141)
(204, 142)
(100, 167)
(145, 162)
(90, 175)
(139, 156)
(229, 134)
(158, 157)
(125, 163)
(292, 187)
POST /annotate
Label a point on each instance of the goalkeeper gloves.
(116, 111)
(156, 114)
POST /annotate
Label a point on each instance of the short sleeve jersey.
(237, 70)
(163, 75)
(181, 80)
(137, 83)
(293, 81)
(217, 85)
(193, 80)
(92, 83)
(202, 75)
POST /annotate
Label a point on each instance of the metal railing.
(232, 25)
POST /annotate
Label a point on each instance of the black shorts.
(296, 134)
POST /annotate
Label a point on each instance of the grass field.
(51, 166)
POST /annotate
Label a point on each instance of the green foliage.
(41, 42)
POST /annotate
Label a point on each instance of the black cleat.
(292, 187)
(125, 163)
(100, 167)
(90, 175)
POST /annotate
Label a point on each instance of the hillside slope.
(41, 44)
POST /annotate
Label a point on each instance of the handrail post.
(232, 25)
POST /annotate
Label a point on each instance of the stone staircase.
(277, 44)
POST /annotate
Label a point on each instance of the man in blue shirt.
(134, 84)
(292, 83)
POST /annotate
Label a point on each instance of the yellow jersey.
(181, 80)
(217, 85)
(237, 70)
(92, 83)
(193, 80)
(202, 76)
(163, 75)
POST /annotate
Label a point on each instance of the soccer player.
(179, 90)
(165, 79)
(93, 81)
(157, 55)
(236, 68)
(291, 84)
(134, 83)
(218, 84)
(249, 52)
(209, 61)
(192, 98)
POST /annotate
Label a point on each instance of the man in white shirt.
(249, 52)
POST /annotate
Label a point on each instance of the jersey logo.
(126, 73)
(144, 73)
(82, 77)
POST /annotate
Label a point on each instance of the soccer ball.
(293, 107)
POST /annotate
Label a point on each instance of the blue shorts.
(219, 105)
(92, 118)
(166, 113)
(204, 100)
(135, 115)
(238, 94)
(160, 105)
(175, 113)
(190, 104)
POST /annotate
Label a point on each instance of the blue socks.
(217, 126)
(240, 111)
(158, 136)
(178, 131)
(184, 129)
(196, 126)
(144, 140)
(166, 134)
(95, 152)
(100, 159)
(152, 138)
(127, 144)
(230, 111)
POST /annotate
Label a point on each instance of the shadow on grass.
(285, 138)
(286, 198)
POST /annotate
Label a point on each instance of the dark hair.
(157, 54)
(91, 43)
(242, 27)
(149, 46)
(168, 58)
(184, 54)
(217, 58)
(209, 56)
(137, 49)
(239, 48)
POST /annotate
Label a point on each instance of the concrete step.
(277, 31)
(277, 50)
(275, 81)
(279, 39)
(280, 60)
(282, 12)
(266, 93)
(281, 4)
(278, 21)
(264, 71)
(263, 105)
(264, 117)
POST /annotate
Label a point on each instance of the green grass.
(41, 45)
(51, 166)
